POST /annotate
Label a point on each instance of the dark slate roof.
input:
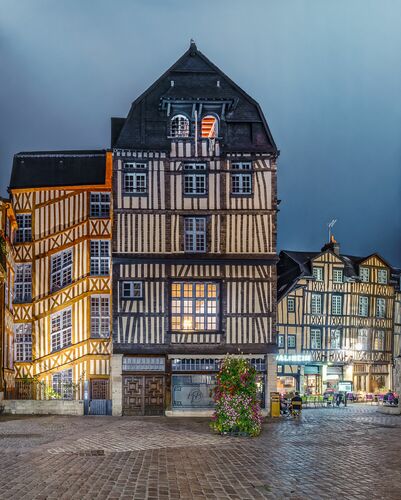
(295, 265)
(58, 168)
(243, 128)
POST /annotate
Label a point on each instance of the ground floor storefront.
(172, 384)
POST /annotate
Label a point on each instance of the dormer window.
(209, 127)
(179, 126)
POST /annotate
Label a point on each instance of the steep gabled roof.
(194, 79)
(58, 168)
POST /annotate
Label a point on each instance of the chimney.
(333, 245)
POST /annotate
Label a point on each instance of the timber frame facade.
(194, 240)
(62, 286)
(335, 321)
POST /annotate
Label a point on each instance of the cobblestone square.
(352, 452)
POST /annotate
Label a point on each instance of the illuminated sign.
(294, 358)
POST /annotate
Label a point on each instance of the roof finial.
(192, 47)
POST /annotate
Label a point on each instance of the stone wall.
(116, 367)
(271, 383)
(397, 375)
(52, 407)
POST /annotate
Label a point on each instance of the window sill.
(136, 195)
(241, 195)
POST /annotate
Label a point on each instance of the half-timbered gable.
(337, 313)
(194, 250)
(62, 202)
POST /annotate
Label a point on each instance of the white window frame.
(61, 329)
(363, 306)
(22, 342)
(61, 270)
(195, 179)
(364, 274)
(99, 257)
(291, 308)
(180, 126)
(99, 205)
(380, 307)
(382, 276)
(241, 178)
(379, 340)
(363, 339)
(291, 338)
(62, 383)
(336, 305)
(316, 303)
(136, 178)
(100, 316)
(195, 234)
(24, 232)
(338, 275)
(281, 341)
(336, 335)
(316, 338)
(317, 273)
(23, 283)
(131, 289)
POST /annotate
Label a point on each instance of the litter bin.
(274, 404)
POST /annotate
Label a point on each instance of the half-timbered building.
(194, 239)
(335, 321)
(62, 285)
(7, 228)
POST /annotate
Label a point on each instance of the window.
(195, 179)
(364, 274)
(280, 341)
(61, 270)
(209, 127)
(316, 303)
(62, 384)
(241, 178)
(337, 276)
(135, 178)
(363, 306)
(100, 205)
(382, 276)
(315, 338)
(336, 304)
(291, 304)
(132, 290)
(100, 316)
(179, 126)
(317, 273)
(195, 234)
(335, 339)
(380, 308)
(23, 283)
(362, 344)
(194, 306)
(291, 341)
(23, 342)
(24, 231)
(100, 257)
(61, 333)
(379, 341)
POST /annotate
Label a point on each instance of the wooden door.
(133, 400)
(99, 389)
(154, 395)
(143, 395)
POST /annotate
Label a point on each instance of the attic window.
(209, 127)
(179, 126)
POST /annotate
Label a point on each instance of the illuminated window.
(209, 127)
(380, 307)
(179, 126)
(62, 384)
(362, 339)
(61, 329)
(335, 339)
(135, 178)
(291, 304)
(100, 205)
(61, 270)
(379, 341)
(363, 306)
(194, 306)
(317, 273)
(364, 274)
(241, 178)
(338, 276)
(23, 342)
(24, 231)
(23, 283)
(195, 179)
(100, 316)
(195, 234)
(316, 303)
(382, 276)
(315, 338)
(100, 257)
(131, 290)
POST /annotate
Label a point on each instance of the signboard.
(294, 358)
(345, 386)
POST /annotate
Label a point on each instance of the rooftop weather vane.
(330, 226)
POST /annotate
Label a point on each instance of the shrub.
(235, 395)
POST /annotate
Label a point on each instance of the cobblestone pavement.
(351, 452)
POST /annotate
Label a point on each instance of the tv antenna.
(330, 226)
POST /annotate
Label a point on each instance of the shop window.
(179, 126)
(193, 391)
(209, 127)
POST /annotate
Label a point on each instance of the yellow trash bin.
(274, 404)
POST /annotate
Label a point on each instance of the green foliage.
(237, 408)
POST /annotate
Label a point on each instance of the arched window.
(209, 129)
(179, 126)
